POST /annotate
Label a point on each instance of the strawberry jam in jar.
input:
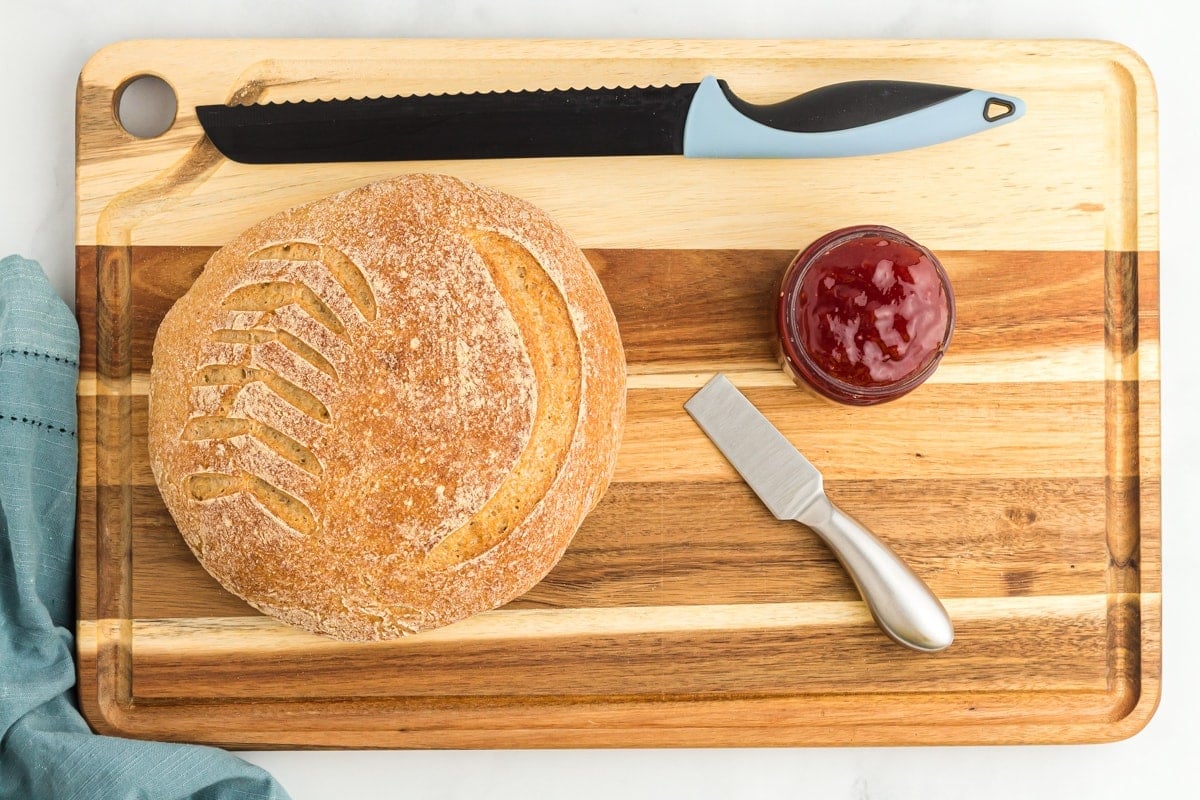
(864, 315)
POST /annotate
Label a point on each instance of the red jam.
(864, 315)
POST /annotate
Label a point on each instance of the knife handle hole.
(995, 109)
(145, 106)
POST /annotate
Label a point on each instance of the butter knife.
(793, 489)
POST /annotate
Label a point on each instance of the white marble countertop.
(43, 45)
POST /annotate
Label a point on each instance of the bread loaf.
(389, 409)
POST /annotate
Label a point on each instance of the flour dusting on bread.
(390, 409)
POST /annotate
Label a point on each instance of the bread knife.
(699, 120)
(793, 489)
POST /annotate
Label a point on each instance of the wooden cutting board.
(1022, 481)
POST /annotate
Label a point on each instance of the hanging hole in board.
(995, 109)
(145, 106)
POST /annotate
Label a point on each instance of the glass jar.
(864, 315)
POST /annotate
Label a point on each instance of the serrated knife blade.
(704, 119)
(792, 488)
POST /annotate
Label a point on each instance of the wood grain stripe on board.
(822, 720)
(651, 544)
(224, 636)
(1020, 313)
(1007, 644)
(1053, 365)
(1063, 423)
(1047, 182)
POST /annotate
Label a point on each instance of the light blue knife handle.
(716, 129)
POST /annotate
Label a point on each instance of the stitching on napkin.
(38, 424)
(13, 351)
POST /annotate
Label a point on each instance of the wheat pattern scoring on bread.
(267, 298)
(389, 409)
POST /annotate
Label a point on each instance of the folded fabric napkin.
(46, 748)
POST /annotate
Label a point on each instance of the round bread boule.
(387, 410)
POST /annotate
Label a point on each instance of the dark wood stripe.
(974, 716)
(650, 544)
(713, 307)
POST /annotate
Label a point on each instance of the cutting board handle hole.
(145, 106)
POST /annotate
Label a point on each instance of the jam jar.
(864, 315)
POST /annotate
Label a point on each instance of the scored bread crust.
(387, 410)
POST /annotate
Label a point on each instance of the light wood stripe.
(1057, 202)
(1061, 421)
(1067, 365)
(230, 636)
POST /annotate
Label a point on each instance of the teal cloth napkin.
(46, 748)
